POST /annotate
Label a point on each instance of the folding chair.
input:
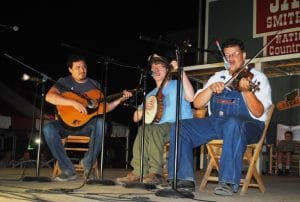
(252, 178)
(80, 141)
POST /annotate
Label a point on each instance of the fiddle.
(243, 72)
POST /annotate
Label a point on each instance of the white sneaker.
(65, 177)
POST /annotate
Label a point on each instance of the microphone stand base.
(101, 182)
(140, 185)
(173, 193)
(36, 178)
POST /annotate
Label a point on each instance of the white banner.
(5, 122)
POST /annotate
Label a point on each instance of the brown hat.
(154, 58)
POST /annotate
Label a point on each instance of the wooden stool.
(79, 140)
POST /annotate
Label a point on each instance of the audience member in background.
(25, 161)
(285, 148)
(6, 159)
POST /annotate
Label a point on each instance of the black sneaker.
(235, 188)
(184, 185)
(65, 177)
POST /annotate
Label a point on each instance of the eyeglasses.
(158, 67)
(234, 54)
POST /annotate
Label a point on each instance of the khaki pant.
(155, 137)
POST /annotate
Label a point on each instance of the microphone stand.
(174, 193)
(29, 146)
(140, 184)
(38, 177)
(101, 181)
(43, 81)
(142, 145)
(145, 73)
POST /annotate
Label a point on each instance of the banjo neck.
(160, 97)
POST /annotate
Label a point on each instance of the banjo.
(155, 113)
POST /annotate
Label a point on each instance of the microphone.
(14, 28)
(26, 77)
(151, 73)
(226, 63)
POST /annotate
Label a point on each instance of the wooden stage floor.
(12, 188)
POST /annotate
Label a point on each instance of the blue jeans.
(231, 122)
(54, 131)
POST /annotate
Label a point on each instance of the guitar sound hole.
(90, 111)
(91, 104)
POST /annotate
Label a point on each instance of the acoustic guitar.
(92, 100)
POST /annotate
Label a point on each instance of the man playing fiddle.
(236, 115)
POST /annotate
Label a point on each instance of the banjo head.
(150, 114)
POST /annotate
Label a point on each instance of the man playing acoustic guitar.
(79, 101)
(159, 115)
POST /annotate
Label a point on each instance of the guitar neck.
(71, 117)
(115, 96)
(112, 97)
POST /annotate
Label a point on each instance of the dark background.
(49, 31)
(109, 30)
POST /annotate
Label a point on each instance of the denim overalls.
(230, 121)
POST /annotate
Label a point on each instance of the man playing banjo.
(160, 113)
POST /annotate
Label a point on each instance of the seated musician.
(71, 95)
(236, 115)
(160, 114)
